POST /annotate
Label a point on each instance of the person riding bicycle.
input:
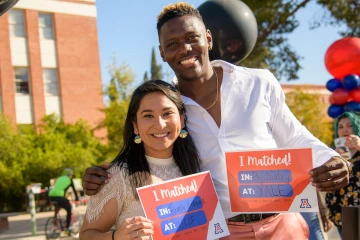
(57, 193)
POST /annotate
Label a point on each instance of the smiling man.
(233, 108)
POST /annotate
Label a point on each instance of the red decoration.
(340, 96)
(355, 95)
(343, 57)
(331, 99)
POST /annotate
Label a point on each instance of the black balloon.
(233, 27)
(5, 5)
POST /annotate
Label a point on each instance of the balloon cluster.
(342, 60)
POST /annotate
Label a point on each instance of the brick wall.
(7, 86)
(79, 68)
(35, 73)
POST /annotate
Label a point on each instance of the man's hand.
(331, 176)
(94, 178)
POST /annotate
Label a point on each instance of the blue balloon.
(350, 81)
(352, 106)
(335, 110)
(333, 84)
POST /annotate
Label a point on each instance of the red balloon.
(340, 96)
(343, 57)
(355, 95)
(331, 99)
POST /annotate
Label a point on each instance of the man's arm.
(94, 178)
(331, 172)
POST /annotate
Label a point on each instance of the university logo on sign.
(305, 203)
(218, 229)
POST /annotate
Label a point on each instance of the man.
(58, 193)
(233, 108)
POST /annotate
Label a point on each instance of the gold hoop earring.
(183, 133)
(210, 47)
(137, 139)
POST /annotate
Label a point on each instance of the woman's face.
(158, 124)
(345, 127)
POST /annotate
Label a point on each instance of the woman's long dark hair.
(132, 155)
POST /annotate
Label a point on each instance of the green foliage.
(14, 160)
(277, 19)
(155, 68)
(116, 107)
(340, 12)
(311, 112)
(146, 78)
(122, 78)
(30, 157)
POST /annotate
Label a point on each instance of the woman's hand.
(135, 228)
(353, 141)
(327, 224)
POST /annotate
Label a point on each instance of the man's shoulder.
(249, 74)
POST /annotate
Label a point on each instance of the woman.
(152, 153)
(347, 125)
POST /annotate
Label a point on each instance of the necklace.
(217, 90)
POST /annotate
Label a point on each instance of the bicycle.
(55, 226)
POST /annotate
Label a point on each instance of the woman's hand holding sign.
(135, 228)
(331, 176)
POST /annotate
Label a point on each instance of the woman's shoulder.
(116, 188)
(118, 174)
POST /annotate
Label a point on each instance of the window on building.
(17, 23)
(50, 78)
(22, 80)
(46, 26)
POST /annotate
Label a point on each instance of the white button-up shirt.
(254, 115)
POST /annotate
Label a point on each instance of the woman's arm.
(132, 228)
(99, 229)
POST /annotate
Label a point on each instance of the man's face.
(184, 44)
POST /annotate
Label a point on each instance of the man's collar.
(227, 67)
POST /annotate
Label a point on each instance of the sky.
(127, 30)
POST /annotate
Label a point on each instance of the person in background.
(157, 148)
(58, 193)
(346, 125)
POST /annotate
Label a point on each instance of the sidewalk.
(20, 225)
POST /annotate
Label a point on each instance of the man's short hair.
(176, 10)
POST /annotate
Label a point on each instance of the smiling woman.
(153, 152)
(158, 123)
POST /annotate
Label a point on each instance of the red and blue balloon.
(342, 60)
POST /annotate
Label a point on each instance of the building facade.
(49, 62)
(320, 90)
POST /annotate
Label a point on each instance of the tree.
(276, 19)
(146, 78)
(311, 112)
(155, 68)
(122, 78)
(118, 93)
(30, 157)
(13, 163)
(345, 12)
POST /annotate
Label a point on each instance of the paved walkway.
(20, 225)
